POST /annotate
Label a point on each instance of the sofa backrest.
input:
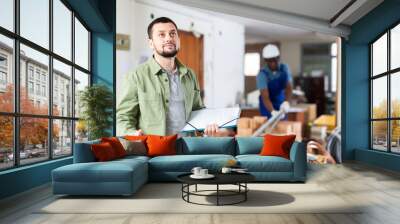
(190, 146)
(83, 152)
(209, 145)
(249, 145)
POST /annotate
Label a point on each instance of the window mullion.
(371, 89)
(50, 81)
(389, 106)
(16, 84)
(73, 82)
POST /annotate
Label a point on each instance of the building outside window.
(3, 81)
(37, 75)
(44, 77)
(30, 87)
(38, 89)
(3, 72)
(35, 52)
(3, 78)
(3, 61)
(43, 90)
(30, 72)
(55, 96)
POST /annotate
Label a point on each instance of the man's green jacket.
(143, 103)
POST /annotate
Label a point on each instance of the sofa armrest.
(298, 156)
(83, 152)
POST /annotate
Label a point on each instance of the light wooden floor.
(378, 188)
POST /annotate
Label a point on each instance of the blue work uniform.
(276, 84)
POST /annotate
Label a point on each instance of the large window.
(44, 63)
(385, 95)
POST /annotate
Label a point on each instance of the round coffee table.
(238, 179)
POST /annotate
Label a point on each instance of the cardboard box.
(243, 122)
(289, 127)
(254, 125)
(247, 126)
(311, 110)
(260, 120)
(326, 120)
(244, 132)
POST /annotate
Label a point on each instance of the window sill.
(26, 167)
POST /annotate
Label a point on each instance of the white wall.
(125, 20)
(223, 45)
(291, 53)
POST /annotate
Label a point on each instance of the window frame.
(388, 74)
(16, 114)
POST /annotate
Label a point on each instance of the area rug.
(166, 198)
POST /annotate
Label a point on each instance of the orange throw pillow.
(103, 151)
(277, 145)
(161, 145)
(116, 145)
(136, 138)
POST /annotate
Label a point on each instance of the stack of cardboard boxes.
(247, 126)
(299, 119)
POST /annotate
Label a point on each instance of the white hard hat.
(270, 51)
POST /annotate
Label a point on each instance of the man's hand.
(285, 106)
(211, 130)
(138, 132)
(215, 131)
(274, 113)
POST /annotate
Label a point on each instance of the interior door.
(191, 54)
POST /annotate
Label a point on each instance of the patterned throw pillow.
(134, 147)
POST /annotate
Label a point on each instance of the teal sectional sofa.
(125, 176)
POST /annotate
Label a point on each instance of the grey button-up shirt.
(176, 118)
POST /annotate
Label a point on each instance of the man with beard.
(160, 94)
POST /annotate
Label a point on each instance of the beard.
(168, 54)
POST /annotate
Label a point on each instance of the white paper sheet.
(220, 116)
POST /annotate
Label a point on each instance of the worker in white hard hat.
(274, 82)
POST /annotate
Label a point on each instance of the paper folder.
(223, 117)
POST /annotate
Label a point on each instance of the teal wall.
(355, 74)
(24, 178)
(104, 53)
(100, 17)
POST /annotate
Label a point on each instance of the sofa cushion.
(134, 147)
(131, 158)
(249, 145)
(161, 145)
(257, 163)
(185, 163)
(142, 138)
(116, 145)
(112, 171)
(103, 152)
(277, 145)
(209, 145)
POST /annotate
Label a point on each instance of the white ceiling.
(321, 9)
(287, 19)
(257, 31)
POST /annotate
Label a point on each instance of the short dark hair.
(159, 20)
